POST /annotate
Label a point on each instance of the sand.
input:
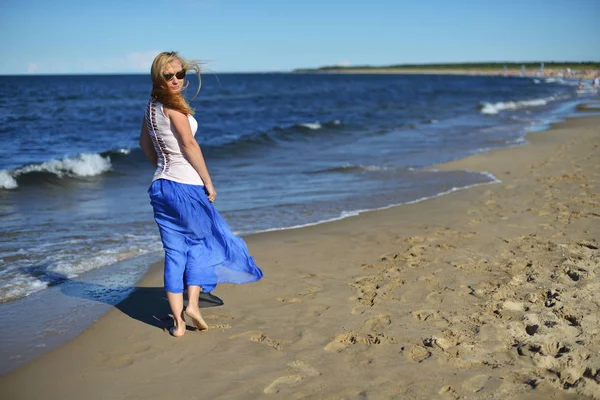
(490, 292)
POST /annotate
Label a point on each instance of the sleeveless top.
(172, 165)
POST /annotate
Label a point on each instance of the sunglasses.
(179, 75)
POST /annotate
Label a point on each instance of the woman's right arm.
(191, 149)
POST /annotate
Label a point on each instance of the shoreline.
(381, 235)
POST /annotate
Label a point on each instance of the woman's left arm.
(147, 145)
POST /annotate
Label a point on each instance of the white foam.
(490, 108)
(314, 125)
(82, 165)
(366, 168)
(19, 286)
(374, 168)
(519, 141)
(72, 269)
(6, 180)
(568, 82)
(15, 283)
(85, 164)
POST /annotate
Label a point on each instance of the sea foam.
(7, 181)
(494, 108)
(82, 165)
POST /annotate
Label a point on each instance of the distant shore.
(566, 70)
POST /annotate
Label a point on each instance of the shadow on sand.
(145, 304)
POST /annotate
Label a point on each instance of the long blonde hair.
(160, 90)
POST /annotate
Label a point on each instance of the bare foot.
(179, 328)
(196, 317)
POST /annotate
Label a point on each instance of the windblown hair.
(160, 90)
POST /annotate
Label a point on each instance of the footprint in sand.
(220, 326)
(377, 323)
(340, 343)
(419, 353)
(283, 381)
(219, 316)
(426, 315)
(304, 368)
(258, 336)
(290, 300)
(448, 392)
(414, 239)
(262, 338)
(476, 383)
(366, 287)
(125, 356)
(306, 294)
(345, 339)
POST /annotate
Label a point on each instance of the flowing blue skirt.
(200, 248)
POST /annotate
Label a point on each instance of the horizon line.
(282, 71)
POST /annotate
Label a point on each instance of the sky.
(123, 36)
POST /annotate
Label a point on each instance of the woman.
(200, 249)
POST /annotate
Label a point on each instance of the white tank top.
(172, 165)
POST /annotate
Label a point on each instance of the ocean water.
(284, 150)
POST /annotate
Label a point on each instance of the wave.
(273, 136)
(80, 166)
(18, 281)
(350, 168)
(494, 108)
(310, 126)
(313, 126)
(87, 165)
(114, 152)
(318, 125)
(352, 213)
(556, 80)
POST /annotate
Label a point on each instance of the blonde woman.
(200, 248)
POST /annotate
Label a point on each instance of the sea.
(284, 150)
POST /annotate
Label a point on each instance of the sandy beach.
(489, 292)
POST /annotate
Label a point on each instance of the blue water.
(284, 150)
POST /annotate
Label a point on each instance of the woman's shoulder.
(171, 112)
(154, 104)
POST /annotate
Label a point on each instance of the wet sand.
(489, 292)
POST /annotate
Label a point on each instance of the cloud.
(141, 60)
(132, 62)
(345, 63)
(46, 67)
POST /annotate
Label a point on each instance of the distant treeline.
(466, 66)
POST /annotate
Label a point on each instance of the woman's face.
(171, 70)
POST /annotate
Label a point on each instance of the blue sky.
(87, 36)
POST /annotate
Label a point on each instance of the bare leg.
(193, 310)
(176, 303)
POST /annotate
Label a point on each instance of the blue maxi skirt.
(200, 248)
